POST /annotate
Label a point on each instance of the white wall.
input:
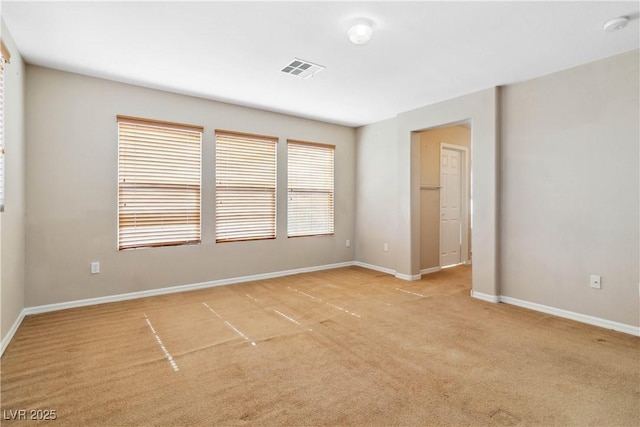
(72, 191)
(570, 189)
(12, 220)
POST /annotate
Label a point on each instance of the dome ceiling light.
(360, 32)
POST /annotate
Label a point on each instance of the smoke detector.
(301, 68)
(615, 24)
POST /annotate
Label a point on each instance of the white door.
(450, 207)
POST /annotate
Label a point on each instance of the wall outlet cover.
(95, 267)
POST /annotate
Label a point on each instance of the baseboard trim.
(485, 297)
(175, 289)
(375, 267)
(14, 328)
(408, 277)
(566, 314)
(430, 270)
(584, 318)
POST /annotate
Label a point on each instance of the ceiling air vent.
(301, 68)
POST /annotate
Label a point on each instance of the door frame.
(465, 197)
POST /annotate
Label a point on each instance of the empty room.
(320, 213)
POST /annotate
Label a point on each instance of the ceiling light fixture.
(615, 24)
(360, 32)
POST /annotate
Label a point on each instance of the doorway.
(445, 193)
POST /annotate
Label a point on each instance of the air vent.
(301, 68)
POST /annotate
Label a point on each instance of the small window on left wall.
(4, 58)
(159, 177)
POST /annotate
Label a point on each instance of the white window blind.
(4, 57)
(310, 189)
(245, 186)
(159, 167)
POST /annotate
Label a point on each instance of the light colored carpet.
(340, 347)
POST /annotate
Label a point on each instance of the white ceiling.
(420, 53)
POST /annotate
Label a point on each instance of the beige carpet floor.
(339, 347)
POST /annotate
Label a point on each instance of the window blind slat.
(159, 167)
(310, 207)
(245, 187)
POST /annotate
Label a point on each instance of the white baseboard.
(7, 338)
(389, 271)
(375, 267)
(591, 320)
(566, 314)
(395, 273)
(408, 277)
(174, 289)
(485, 297)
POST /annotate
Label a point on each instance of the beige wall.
(570, 189)
(376, 194)
(481, 109)
(430, 142)
(72, 190)
(377, 147)
(569, 196)
(12, 220)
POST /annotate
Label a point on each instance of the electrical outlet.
(385, 247)
(596, 281)
(95, 267)
(348, 243)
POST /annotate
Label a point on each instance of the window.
(158, 183)
(4, 58)
(245, 186)
(310, 189)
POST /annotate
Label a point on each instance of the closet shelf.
(430, 187)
